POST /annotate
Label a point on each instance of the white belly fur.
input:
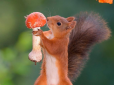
(51, 68)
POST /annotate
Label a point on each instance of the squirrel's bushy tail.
(90, 29)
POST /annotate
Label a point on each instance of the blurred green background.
(16, 41)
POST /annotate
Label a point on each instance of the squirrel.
(67, 44)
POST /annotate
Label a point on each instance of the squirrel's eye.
(58, 23)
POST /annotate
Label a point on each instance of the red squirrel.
(67, 44)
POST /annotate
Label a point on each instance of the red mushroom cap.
(35, 19)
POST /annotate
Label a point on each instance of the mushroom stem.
(35, 55)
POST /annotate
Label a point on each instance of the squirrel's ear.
(71, 25)
(70, 19)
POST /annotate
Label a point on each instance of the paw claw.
(37, 33)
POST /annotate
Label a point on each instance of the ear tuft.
(72, 24)
(70, 19)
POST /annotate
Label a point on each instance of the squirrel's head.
(60, 26)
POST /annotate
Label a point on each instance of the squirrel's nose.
(47, 19)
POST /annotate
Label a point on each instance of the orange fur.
(57, 47)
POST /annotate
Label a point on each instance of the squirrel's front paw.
(37, 33)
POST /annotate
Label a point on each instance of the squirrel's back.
(89, 30)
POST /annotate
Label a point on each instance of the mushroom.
(34, 21)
